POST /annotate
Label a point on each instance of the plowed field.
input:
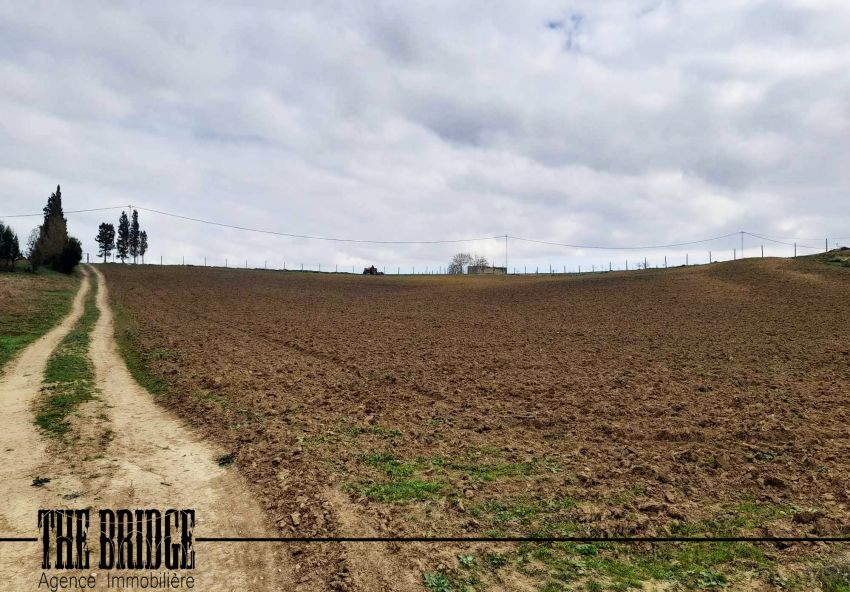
(702, 400)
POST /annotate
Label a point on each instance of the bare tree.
(479, 261)
(459, 263)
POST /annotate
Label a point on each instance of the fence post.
(826, 245)
(665, 261)
(645, 266)
(795, 249)
(686, 259)
(160, 259)
(184, 259)
(579, 267)
(734, 255)
(225, 262)
(627, 264)
(762, 250)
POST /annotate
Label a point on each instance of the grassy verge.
(69, 376)
(135, 357)
(33, 304)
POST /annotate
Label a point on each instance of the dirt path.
(24, 451)
(151, 460)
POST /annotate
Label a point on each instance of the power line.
(65, 212)
(773, 240)
(323, 238)
(439, 241)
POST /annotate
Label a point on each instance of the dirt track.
(148, 460)
(24, 450)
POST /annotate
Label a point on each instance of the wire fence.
(632, 263)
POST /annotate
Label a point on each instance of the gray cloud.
(578, 122)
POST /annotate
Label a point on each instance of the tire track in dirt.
(152, 461)
(372, 566)
(24, 450)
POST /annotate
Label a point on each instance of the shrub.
(70, 256)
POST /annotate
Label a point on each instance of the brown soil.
(654, 398)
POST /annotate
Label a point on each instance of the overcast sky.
(612, 123)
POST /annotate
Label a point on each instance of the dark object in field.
(225, 460)
(39, 481)
(372, 271)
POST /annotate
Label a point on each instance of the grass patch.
(35, 303)
(533, 517)
(736, 518)
(606, 566)
(834, 578)
(402, 490)
(69, 376)
(378, 431)
(425, 478)
(137, 360)
(437, 582)
(693, 566)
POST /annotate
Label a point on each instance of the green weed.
(69, 377)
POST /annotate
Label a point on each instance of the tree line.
(130, 241)
(49, 244)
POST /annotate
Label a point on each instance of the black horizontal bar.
(523, 540)
(495, 540)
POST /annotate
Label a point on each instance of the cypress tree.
(53, 233)
(143, 244)
(122, 245)
(134, 236)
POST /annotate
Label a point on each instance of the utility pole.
(506, 254)
(826, 245)
(742, 244)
